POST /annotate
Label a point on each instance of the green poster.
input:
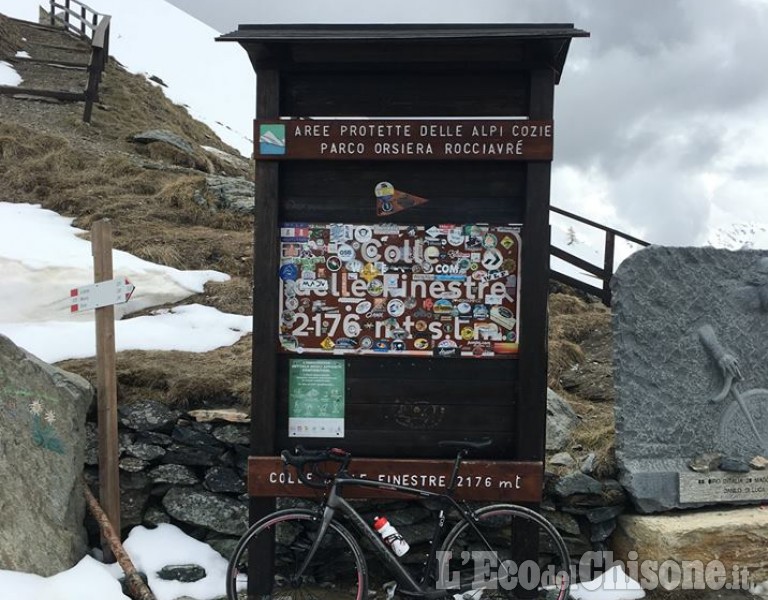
(316, 398)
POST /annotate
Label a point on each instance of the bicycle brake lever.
(726, 388)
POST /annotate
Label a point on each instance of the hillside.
(164, 209)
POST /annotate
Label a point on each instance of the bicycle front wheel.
(525, 556)
(337, 571)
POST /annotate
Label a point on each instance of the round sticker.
(456, 236)
(421, 325)
(291, 303)
(489, 241)
(447, 344)
(352, 329)
(464, 308)
(396, 307)
(370, 252)
(288, 317)
(431, 254)
(333, 263)
(421, 343)
(363, 307)
(345, 252)
(289, 272)
(467, 333)
(363, 233)
(366, 343)
(375, 287)
(384, 190)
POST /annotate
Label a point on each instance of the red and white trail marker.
(98, 295)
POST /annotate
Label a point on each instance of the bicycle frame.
(335, 502)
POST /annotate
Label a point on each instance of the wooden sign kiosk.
(401, 253)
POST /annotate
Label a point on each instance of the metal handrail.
(602, 272)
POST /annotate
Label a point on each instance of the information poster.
(434, 291)
(316, 398)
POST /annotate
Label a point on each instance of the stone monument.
(42, 445)
(691, 371)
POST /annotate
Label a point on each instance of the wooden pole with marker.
(109, 478)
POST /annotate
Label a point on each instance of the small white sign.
(99, 295)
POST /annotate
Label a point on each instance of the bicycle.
(316, 555)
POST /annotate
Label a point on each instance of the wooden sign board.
(377, 139)
(504, 481)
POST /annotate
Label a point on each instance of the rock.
(562, 459)
(132, 465)
(233, 434)
(734, 465)
(564, 522)
(148, 415)
(193, 436)
(143, 451)
(165, 137)
(561, 419)
(223, 545)
(222, 479)
(208, 510)
(196, 457)
(154, 516)
(759, 463)
(604, 513)
(602, 530)
(42, 449)
(235, 194)
(735, 537)
(232, 415)
(134, 481)
(577, 483)
(132, 503)
(153, 438)
(91, 444)
(588, 464)
(173, 474)
(182, 573)
(706, 462)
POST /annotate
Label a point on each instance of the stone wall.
(176, 469)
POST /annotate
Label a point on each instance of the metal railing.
(83, 21)
(602, 272)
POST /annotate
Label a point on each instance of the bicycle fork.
(328, 514)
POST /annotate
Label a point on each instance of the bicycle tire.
(735, 434)
(337, 571)
(548, 578)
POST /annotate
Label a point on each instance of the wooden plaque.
(502, 481)
(377, 139)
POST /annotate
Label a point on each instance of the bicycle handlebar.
(303, 458)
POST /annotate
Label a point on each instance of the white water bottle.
(390, 535)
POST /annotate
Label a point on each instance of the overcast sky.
(661, 116)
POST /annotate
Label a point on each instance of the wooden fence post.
(109, 478)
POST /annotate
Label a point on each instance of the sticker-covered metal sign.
(441, 290)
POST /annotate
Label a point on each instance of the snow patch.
(8, 75)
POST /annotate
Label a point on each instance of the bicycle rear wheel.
(527, 557)
(337, 570)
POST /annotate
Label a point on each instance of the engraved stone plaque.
(721, 486)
